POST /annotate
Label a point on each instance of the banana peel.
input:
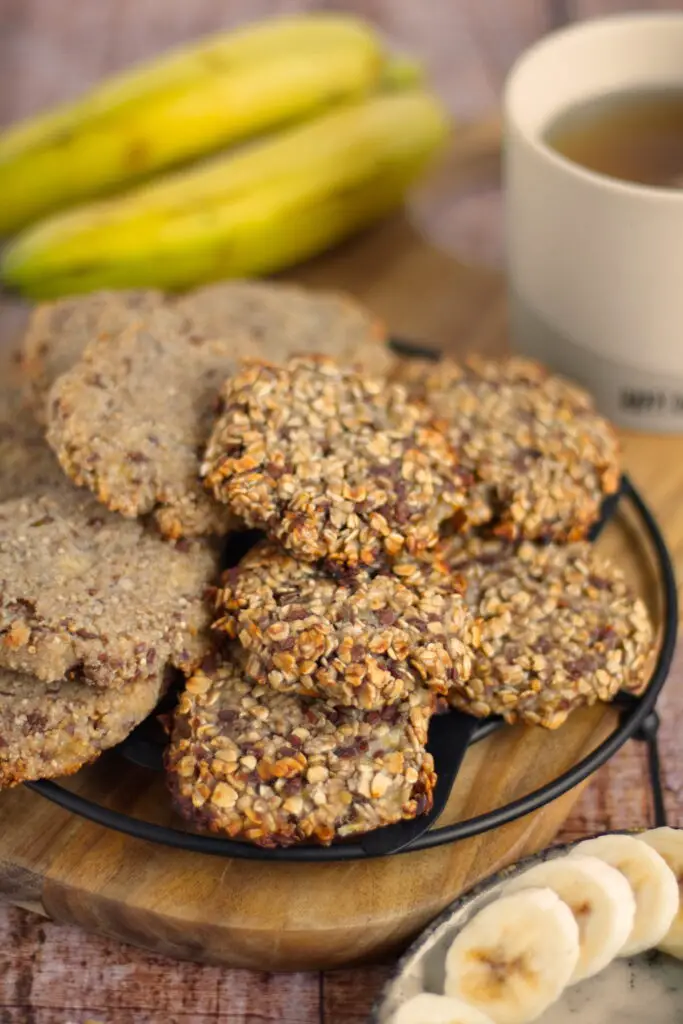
(402, 71)
(266, 207)
(184, 105)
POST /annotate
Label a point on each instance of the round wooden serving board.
(296, 916)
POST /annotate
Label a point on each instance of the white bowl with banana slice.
(590, 932)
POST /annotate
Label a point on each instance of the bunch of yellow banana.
(352, 131)
(185, 104)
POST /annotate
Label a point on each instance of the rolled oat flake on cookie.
(330, 463)
(275, 769)
(560, 628)
(362, 640)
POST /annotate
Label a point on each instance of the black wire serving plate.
(450, 735)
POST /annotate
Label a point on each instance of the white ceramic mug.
(595, 264)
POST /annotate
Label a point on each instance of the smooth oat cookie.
(84, 593)
(284, 320)
(560, 628)
(53, 729)
(27, 465)
(332, 464)
(280, 320)
(540, 458)
(131, 419)
(275, 769)
(363, 641)
(58, 332)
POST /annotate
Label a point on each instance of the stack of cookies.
(103, 591)
(408, 564)
(422, 545)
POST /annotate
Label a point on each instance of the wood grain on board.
(433, 274)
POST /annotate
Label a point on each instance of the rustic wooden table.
(52, 974)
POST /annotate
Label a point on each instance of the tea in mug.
(636, 135)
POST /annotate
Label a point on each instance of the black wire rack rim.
(631, 720)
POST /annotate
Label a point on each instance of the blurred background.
(55, 50)
(51, 50)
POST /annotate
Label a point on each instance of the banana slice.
(653, 883)
(600, 899)
(668, 842)
(430, 1009)
(514, 958)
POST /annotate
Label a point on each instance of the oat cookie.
(130, 420)
(280, 319)
(540, 458)
(365, 642)
(58, 332)
(274, 769)
(27, 465)
(333, 464)
(53, 729)
(86, 593)
(284, 320)
(560, 628)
